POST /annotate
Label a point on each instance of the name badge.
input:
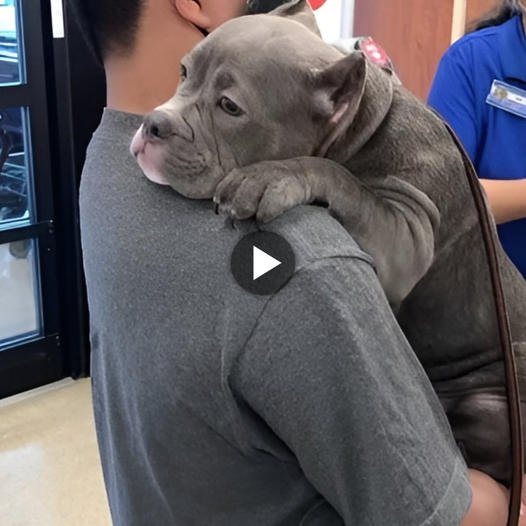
(508, 98)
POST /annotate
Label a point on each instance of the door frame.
(34, 361)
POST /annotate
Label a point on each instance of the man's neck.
(148, 77)
(139, 88)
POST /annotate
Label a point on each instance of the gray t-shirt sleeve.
(328, 369)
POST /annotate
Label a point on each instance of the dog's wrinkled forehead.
(257, 40)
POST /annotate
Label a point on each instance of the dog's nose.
(157, 125)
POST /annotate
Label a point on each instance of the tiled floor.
(50, 471)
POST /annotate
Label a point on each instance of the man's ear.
(300, 11)
(343, 83)
(191, 10)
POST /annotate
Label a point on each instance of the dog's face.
(256, 89)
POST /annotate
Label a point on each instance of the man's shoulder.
(109, 147)
(315, 235)
(116, 125)
(329, 268)
(332, 283)
(323, 252)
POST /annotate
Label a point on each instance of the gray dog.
(268, 116)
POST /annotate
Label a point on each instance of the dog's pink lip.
(138, 144)
(149, 157)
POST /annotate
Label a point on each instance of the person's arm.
(507, 198)
(328, 369)
(489, 506)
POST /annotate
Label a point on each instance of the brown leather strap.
(512, 385)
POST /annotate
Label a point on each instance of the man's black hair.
(502, 13)
(109, 26)
(255, 7)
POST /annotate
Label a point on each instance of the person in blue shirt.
(480, 89)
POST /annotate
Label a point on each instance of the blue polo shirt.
(494, 138)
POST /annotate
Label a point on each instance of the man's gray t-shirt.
(215, 406)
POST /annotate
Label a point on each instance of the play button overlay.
(262, 262)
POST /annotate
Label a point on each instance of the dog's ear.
(343, 84)
(300, 11)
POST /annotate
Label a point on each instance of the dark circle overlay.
(242, 262)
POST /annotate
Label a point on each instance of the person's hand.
(489, 505)
(522, 518)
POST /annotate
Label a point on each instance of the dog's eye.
(230, 107)
(184, 72)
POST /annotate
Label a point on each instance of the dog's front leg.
(393, 221)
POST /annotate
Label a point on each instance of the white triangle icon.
(263, 263)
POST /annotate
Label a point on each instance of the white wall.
(335, 19)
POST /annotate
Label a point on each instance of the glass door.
(30, 353)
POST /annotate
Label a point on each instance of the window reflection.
(14, 167)
(10, 55)
(19, 291)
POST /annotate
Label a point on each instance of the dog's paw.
(264, 190)
(239, 193)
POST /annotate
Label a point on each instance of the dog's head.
(258, 88)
